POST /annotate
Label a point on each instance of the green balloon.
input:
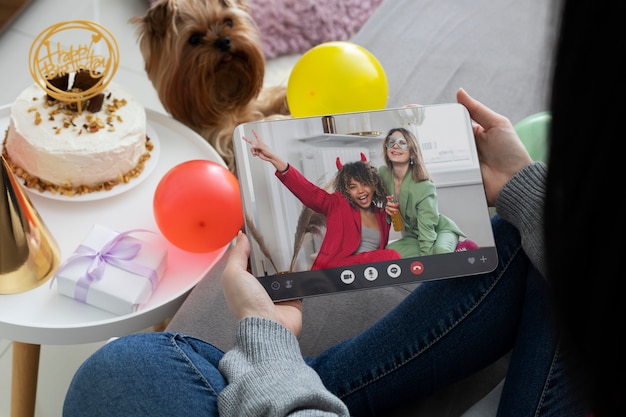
(533, 131)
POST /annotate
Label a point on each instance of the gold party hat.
(29, 255)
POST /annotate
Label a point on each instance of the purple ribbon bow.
(118, 252)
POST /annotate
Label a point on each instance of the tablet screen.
(308, 237)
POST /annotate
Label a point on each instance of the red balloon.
(197, 206)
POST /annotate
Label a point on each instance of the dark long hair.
(584, 229)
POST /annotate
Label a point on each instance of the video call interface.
(285, 235)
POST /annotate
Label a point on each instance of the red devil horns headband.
(340, 164)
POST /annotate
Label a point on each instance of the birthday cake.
(73, 132)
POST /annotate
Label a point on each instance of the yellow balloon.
(336, 77)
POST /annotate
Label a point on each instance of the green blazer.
(426, 231)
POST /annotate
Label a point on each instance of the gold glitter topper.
(50, 58)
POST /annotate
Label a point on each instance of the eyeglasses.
(392, 141)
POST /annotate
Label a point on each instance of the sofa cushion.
(499, 51)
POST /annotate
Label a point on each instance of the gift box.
(112, 271)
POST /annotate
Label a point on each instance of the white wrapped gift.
(112, 270)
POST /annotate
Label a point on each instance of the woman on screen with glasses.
(425, 231)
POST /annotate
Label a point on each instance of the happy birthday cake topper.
(55, 55)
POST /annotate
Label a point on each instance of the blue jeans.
(441, 333)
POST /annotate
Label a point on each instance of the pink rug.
(295, 26)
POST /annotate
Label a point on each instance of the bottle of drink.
(396, 219)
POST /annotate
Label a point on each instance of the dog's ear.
(237, 4)
(160, 17)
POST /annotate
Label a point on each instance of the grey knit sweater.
(266, 373)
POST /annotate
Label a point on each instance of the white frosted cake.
(53, 146)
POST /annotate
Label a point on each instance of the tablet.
(287, 237)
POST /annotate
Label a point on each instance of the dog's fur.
(206, 64)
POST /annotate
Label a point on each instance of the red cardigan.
(343, 224)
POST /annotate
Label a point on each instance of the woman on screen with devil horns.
(356, 222)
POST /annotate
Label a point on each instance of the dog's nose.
(223, 44)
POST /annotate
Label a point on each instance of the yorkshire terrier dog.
(205, 61)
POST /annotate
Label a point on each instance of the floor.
(58, 363)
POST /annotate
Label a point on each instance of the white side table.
(43, 316)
